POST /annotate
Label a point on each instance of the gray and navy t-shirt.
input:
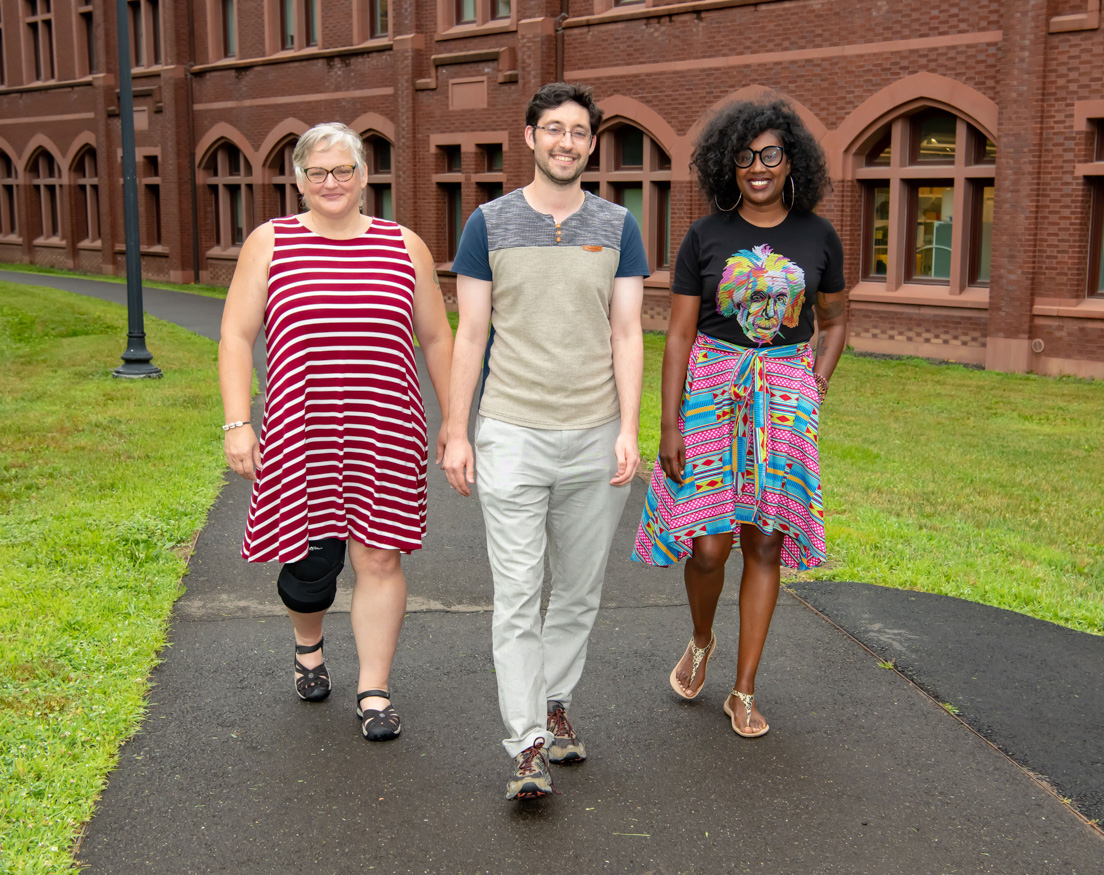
(549, 360)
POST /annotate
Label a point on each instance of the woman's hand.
(243, 452)
(672, 454)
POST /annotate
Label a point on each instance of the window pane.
(465, 10)
(287, 23)
(877, 253)
(630, 147)
(493, 153)
(881, 153)
(934, 206)
(985, 236)
(237, 215)
(312, 23)
(381, 149)
(379, 18)
(631, 197)
(1100, 240)
(663, 241)
(229, 33)
(501, 9)
(935, 137)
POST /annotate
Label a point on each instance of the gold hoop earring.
(731, 208)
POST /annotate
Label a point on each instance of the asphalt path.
(863, 770)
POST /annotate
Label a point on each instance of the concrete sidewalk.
(861, 772)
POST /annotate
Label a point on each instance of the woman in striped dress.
(742, 387)
(342, 454)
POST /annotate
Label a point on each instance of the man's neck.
(558, 201)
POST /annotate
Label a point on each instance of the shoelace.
(529, 754)
(560, 727)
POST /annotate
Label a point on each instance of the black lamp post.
(137, 360)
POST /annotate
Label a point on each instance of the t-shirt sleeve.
(472, 258)
(633, 260)
(687, 279)
(831, 280)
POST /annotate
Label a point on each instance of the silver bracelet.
(237, 424)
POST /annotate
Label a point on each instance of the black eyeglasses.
(771, 156)
(342, 173)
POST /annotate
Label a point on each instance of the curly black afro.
(733, 129)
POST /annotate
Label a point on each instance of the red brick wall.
(832, 58)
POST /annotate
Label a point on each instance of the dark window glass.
(630, 147)
(876, 256)
(934, 134)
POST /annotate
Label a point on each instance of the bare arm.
(682, 328)
(431, 328)
(242, 317)
(627, 341)
(831, 318)
(473, 297)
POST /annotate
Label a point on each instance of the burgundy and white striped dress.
(343, 445)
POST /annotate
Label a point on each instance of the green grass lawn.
(103, 486)
(975, 484)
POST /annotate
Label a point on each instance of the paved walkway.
(862, 772)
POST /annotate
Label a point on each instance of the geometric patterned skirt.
(749, 417)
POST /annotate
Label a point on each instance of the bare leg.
(758, 596)
(704, 580)
(308, 631)
(379, 603)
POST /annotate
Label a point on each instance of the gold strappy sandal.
(749, 702)
(700, 657)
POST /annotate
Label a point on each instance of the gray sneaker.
(566, 747)
(531, 777)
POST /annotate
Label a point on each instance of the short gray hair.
(325, 136)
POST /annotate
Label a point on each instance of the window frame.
(48, 197)
(38, 41)
(968, 172)
(306, 26)
(220, 181)
(488, 18)
(86, 197)
(9, 198)
(608, 177)
(381, 180)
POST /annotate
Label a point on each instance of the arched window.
(630, 168)
(283, 178)
(231, 195)
(377, 152)
(86, 214)
(927, 180)
(1094, 175)
(46, 186)
(9, 215)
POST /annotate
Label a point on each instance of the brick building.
(965, 139)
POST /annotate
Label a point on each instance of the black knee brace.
(310, 585)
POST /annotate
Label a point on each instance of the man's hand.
(460, 464)
(628, 458)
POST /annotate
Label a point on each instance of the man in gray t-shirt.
(558, 273)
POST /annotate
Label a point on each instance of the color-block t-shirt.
(758, 285)
(549, 360)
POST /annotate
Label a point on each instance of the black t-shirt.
(758, 285)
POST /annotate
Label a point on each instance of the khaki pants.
(544, 490)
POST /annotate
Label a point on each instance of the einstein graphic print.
(763, 290)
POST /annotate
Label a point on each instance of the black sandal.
(378, 725)
(312, 684)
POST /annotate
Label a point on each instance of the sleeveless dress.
(343, 444)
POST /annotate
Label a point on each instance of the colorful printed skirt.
(749, 418)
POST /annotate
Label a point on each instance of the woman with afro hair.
(754, 281)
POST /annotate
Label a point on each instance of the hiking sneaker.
(531, 777)
(566, 747)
